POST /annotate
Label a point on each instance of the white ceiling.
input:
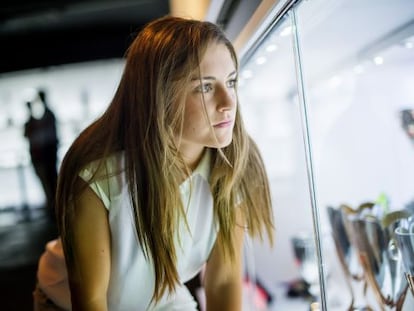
(334, 35)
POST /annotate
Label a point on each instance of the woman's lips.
(224, 124)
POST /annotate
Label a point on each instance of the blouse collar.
(203, 168)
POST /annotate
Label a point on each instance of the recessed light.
(261, 60)
(408, 44)
(286, 31)
(247, 74)
(378, 60)
(271, 47)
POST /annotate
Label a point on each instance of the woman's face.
(217, 84)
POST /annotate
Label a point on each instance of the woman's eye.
(204, 88)
(232, 83)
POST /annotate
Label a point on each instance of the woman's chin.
(222, 143)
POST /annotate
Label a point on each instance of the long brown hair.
(142, 120)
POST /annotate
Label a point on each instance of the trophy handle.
(400, 302)
(410, 281)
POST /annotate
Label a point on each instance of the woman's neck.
(192, 159)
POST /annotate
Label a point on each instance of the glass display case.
(326, 88)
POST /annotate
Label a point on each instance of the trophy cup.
(348, 259)
(305, 255)
(404, 236)
(382, 268)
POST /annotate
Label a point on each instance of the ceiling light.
(271, 47)
(261, 60)
(408, 44)
(378, 60)
(247, 74)
(286, 31)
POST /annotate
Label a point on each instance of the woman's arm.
(223, 280)
(89, 273)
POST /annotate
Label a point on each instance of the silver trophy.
(305, 255)
(373, 239)
(347, 255)
(404, 235)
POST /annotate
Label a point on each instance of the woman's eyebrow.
(211, 77)
(232, 73)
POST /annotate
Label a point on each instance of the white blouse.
(131, 283)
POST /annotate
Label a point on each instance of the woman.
(165, 181)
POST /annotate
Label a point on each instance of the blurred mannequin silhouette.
(40, 130)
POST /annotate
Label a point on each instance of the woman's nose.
(226, 99)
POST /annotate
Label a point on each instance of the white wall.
(76, 93)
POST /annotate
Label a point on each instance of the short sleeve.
(107, 178)
(101, 187)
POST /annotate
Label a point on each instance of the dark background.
(39, 33)
(43, 33)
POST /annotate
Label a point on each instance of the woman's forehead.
(217, 57)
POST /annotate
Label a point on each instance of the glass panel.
(269, 101)
(358, 65)
(358, 71)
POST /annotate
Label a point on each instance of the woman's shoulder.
(106, 176)
(104, 168)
